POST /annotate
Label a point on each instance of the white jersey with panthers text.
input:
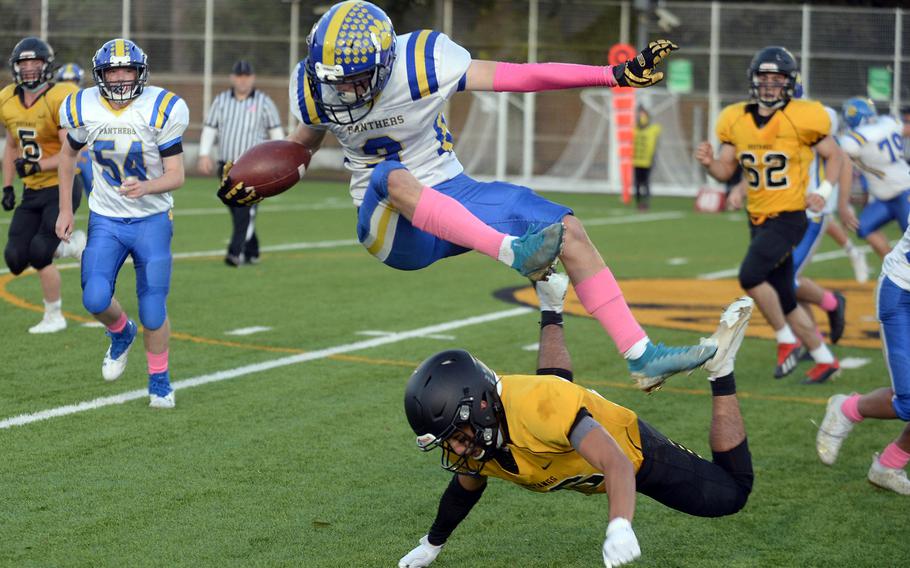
(406, 121)
(877, 149)
(896, 265)
(817, 174)
(126, 142)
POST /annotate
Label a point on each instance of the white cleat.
(50, 323)
(729, 336)
(833, 431)
(860, 266)
(74, 248)
(888, 478)
(115, 359)
(167, 401)
(552, 292)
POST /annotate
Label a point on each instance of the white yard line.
(66, 410)
(248, 330)
(219, 252)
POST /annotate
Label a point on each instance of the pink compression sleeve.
(533, 77)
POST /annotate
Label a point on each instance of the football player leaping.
(545, 433)
(135, 132)
(772, 137)
(383, 96)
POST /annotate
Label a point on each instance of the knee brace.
(97, 293)
(152, 310)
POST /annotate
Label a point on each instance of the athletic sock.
(850, 408)
(157, 362)
(446, 218)
(822, 354)
(785, 335)
(829, 301)
(53, 307)
(602, 298)
(894, 457)
(118, 325)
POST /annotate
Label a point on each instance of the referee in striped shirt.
(240, 118)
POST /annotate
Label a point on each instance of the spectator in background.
(240, 118)
(646, 135)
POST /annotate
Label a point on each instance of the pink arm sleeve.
(533, 77)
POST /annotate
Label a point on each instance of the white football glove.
(621, 546)
(426, 553)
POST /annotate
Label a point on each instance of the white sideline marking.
(376, 333)
(531, 347)
(853, 362)
(93, 324)
(643, 218)
(248, 330)
(218, 376)
(219, 252)
(830, 255)
(677, 261)
(331, 203)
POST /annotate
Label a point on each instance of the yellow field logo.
(695, 305)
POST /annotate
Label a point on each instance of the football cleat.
(115, 359)
(50, 323)
(660, 362)
(821, 372)
(888, 478)
(552, 292)
(833, 431)
(161, 394)
(788, 355)
(537, 252)
(837, 318)
(860, 266)
(729, 336)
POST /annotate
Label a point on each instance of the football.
(272, 167)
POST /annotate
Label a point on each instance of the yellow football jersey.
(36, 128)
(540, 411)
(777, 156)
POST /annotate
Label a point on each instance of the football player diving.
(543, 432)
(382, 96)
(772, 137)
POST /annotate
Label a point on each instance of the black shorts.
(679, 478)
(770, 254)
(32, 231)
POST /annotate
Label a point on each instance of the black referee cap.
(242, 68)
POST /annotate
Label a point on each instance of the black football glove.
(639, 72)
(236, 194)
(27, 168)
(9, 198)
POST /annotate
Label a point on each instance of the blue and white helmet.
(70, 72)
(120, 53)
(858, 110)
(351, 51)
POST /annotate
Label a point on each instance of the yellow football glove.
(639, 72)
(236, 194)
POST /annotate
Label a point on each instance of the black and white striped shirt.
(241, 124)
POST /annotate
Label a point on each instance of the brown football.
(272, 167)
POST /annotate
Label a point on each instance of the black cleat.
(837, 318)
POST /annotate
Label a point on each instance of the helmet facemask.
(121, 91)
(764, 84)
(32, 79)
(476, 437)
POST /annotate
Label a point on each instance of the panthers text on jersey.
(540, 411)
(128, 142)
(776, 156)
(406, 123)
(877, 149)
(36, 128)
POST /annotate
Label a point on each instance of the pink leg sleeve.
(157, 362)
(603, 299)
(446, 218)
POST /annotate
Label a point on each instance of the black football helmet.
(32, 48)
(450, 390)
(773, 59)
